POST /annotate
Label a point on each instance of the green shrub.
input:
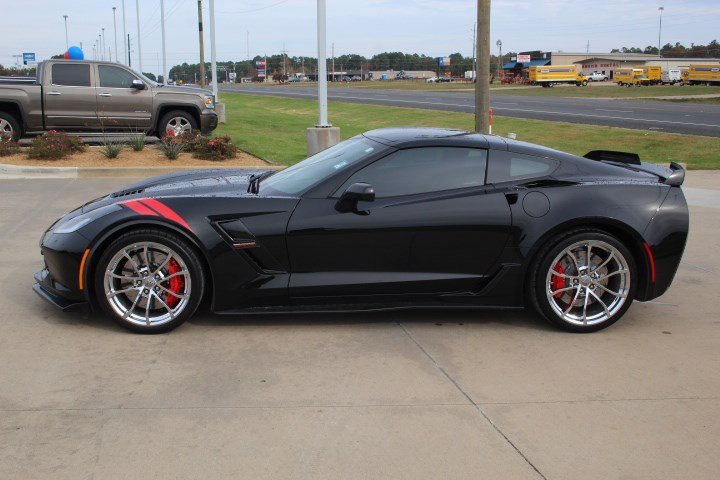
(137, 142)
(190, 139)
(7, 145)
(54, 145)
(216, 149)
(111, 148)
(172, 146)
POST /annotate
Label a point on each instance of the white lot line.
(523, 110)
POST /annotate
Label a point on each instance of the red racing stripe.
(165, 211)
(139, 208)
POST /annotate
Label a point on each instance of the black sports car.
(394, 218)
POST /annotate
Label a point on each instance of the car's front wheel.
(149, 281)
(583, 281)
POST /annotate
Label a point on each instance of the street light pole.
(202, 45)
(660, 30)
(213, 61)
(67, 43)
(103, 42)
(162, 29)
(322, 66)
(137, 9)
(126, 54)
(115, 33)
(482, 85)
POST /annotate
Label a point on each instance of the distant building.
(391, 74)
(605, 63)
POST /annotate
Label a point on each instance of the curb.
(23, 171)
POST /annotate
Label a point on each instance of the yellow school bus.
(704, 74)
(549, 75)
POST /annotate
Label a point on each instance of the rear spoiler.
(673, 176)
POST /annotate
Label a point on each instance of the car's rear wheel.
(583, 281)
(149, 281)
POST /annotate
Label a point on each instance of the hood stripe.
(139, 208)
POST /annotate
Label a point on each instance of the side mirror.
(355, 193)
(138, 85)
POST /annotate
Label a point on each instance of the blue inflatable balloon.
(75, 53)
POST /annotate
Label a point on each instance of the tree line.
(678, 50)
(290, 65)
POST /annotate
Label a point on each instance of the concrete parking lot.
(411, 395)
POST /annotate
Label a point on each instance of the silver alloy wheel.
(138, 284)
(177, 126)
(5, 127)
(588, 283)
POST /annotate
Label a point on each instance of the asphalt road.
(689, 118)
(413, 395)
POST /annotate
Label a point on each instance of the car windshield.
(315, 169)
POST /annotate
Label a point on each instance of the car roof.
(407, 137)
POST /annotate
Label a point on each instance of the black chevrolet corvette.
(394, 218)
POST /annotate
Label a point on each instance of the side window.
(421, 170)
(115, 77)
(71, 74)
(509, 166)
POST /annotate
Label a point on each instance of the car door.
(120, 106)
(434, 227)
(69, 97)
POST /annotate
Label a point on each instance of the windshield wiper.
(255, 180)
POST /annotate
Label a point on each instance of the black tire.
(12, 123)
(179, 247)
(539, 273)
(175, 114)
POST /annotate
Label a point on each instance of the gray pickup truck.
(91, 97)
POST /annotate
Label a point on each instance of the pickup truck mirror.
(138, 85)
(355, 193)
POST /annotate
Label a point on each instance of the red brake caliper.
(557, 282)
(177, 284)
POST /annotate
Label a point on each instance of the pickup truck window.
(69, 74)
(115, 77)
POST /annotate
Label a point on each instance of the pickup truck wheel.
(176, 123)
(9, 126)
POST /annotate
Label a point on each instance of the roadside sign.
(523, 58)
(28, 57)
(261, 67)
(443, 61)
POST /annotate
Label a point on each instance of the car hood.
(215, 182)
(183, 89)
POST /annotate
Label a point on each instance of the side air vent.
(124, 193)
(611, 156)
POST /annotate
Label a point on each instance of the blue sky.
(434, 27)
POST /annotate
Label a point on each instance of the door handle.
(54, 93)
(105, 94)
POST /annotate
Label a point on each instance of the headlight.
(209, 101)
(73, 225)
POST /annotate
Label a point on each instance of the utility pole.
(101, 54)
(333, 61)
(67, 43)
(103, 42)
(126, 55)
(482, 86)
(128, 51)
(115, 33)
(473, 67)
(137, 11)
(202, 45)
(499, 45)
(660, 30)
(162, 29)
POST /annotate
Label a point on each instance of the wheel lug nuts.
(146, 291)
